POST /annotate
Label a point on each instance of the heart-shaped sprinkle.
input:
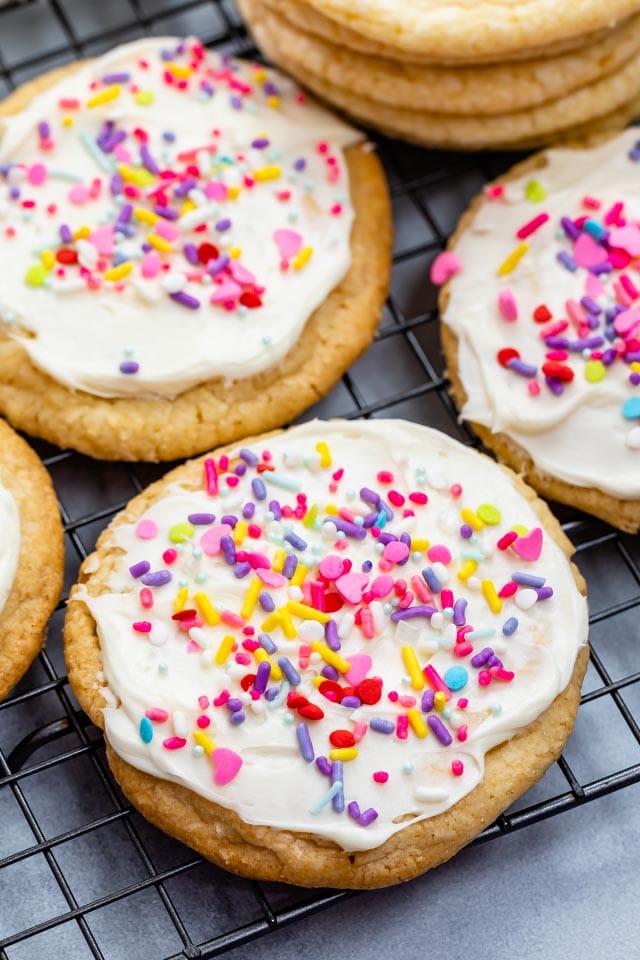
(351, 586)
(227, 765)
(210, 541)
(594, 287)
(627, 238)
(529, 547)
(227, 290)
(382, 586)
(360, 666)
(626, 322)
(103, 240)
(445, 266)
(587, 253)
(271, 578)
(288, 242)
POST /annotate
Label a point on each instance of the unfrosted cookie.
(471, 29)
(464, 90)
(606, 103)
(333, 655)
(540, 324)
(191, 251)
(31, 556)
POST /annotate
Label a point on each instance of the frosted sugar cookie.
(330, 656)
(464, 90)
(31, 556)
(191, 251)
(541, 324)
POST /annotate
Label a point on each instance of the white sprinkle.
(525, 599)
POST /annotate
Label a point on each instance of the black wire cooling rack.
(77, 864)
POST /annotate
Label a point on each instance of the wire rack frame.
(428, 190)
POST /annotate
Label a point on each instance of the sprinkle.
(441, 732)
(413, 667)
(332, 793)
(512, 261)
(304, 741)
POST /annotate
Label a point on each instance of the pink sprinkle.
(421, 589)
(462, 649)
(381, 776)
(332, 567)
(445, 266)
(528, 228)
(501, 674)
(534, 388)
(147, 529)
(222, 698)
(484, 678)
(418, 497)
(157, 714)
(434, 679)
(393, 696)
(455, 490)
(406, 701)
(146, 598)
(457, 768)
(507, 305)
(231, 619)
(174, 743)
(396, 551)
(508, 590)
(243, 659)
(150, 265)
(462, 733)
(591, 203)
(438, 553)
(507, 540)
(395, 498)
(402, 726)
(142, 626)
(78, 194)
(170, 556)
(37, 174)
(211, 476)
(203, 702)
(381, 586)
(166, 230)
(203, 721)
(494, 191)
(367, 624)
(359, 731)
(462, 703)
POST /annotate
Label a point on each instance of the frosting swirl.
(329, 633)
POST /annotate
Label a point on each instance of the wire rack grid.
(79, 869)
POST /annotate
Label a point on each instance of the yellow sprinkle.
(310, 516)
(187, 207)
(260, 76)
(273, 102)
(82, 233)
(299, 575)
(330, 657)
(145, 98)
(467, 570)
(180, 601)
(179, 71)
(344, 753)
(302, 258)
(68, 121)
(325, 456)
(331, 509)
(159, 243)
(635, 367)
(287, 624)
(204, 740)
(105, 96)
(138, 175)
(279, 558)
(416, 722)
(235, 253)
(472, 518)
(266, 173)
(118, 273)
(48, 259)
(225, 648)
(263, 657)
(233, 192)
(147, 216)
(490, 595)
(251, 598)
(520, 529)
(413, 667)
(239, 532)
(207, 609)
(440, 700)
(307, 613)
(272, 621)
(318, 680)
(512, 261)
(420, 544)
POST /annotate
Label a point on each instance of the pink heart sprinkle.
(594, 287)
(78, 193)
(122, 154)
(102, 239)
(332, 567)
(227, 765)
(147, 529)
(288, 242)
(227, 290)
(271, 579)
(382, 586)
(507, 305)
(626, 322)
(351, 586)
(587, 253)
(627, 238)
(210, 540)
(240, 273)
(396, 551)
(360, 666)
(529, 547)
(37, 174)
(445, 266)
(438, 553)
(193, 647)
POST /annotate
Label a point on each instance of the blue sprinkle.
(510, 626)
(380, 725)
(456, 678)
(146, 730)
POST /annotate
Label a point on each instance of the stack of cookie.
(461, 75)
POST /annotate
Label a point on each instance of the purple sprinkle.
(14, 193)
(351, 702)
(138, 569)
(258, 488)
(431, 580)
(598, 268)
(591, 306)
(609, 357)
(201, 519)
(214, 267)
(262, 676)
(632, 357)
(634, 379)
(459, 609)
(289, 566)
(270, 88)
(337, 775)
(166, 55)
(185, 299)
(544, 593)
(167, 213)
(493, 661)
(587, 343)
(44, 129)
(249, 457)
(228, 549)
(331, 635)
(233, 704)
(157, 579)
(427, 700)
(266, 601)
(510, 626)
(105, 132)
(237, 718)
(567, 261)
(300, 164)
(116, 184)
(260, 143)
(441, 732)
(116, 78)
(370, 520)
(236, 102)
(349, 529)
(324, 766)
(267, 643)
(481, 658)
(183, 188)
(223, 225)
(109, 144)
(368, 817)
(519, 366)
(168, 136)
(304, 741)
(466, 531)
(129, 366)
(527, 579)
(354, 809)
(274, 507)
(384, 538)
(380, 725)
(191, 254)
(248, 510)
(289, 671)
(555, 386)
(592, 321)
(369, 496)
(570, 228)
(271, 693)
(126, 212)
(330, 673)
(557, 343)
(65, 233)
(296, 542)
(367, 566)
(229, 519)
(411, 613)
(240, 469)
(241, 570)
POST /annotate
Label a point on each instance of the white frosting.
(9, 543)
(582, 436)
(275, 785)
(80, 335)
